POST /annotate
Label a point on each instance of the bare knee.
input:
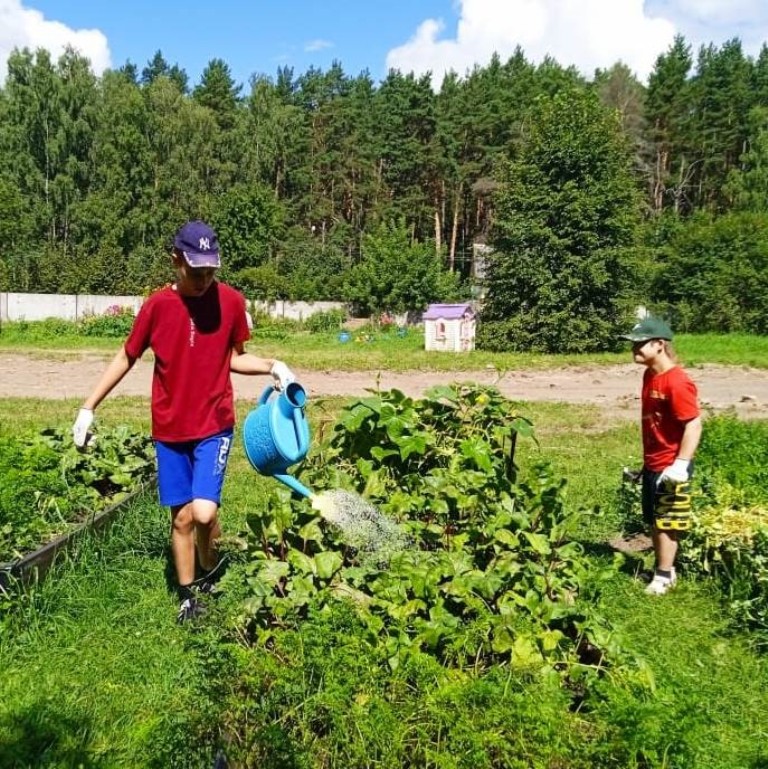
(182, 518)
(205, 512)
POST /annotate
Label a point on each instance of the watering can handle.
(264, 397)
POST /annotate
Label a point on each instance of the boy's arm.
(690, 440)
(118, 367)
(242, 362)
(680, 470)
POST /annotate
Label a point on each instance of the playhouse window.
(440, 330)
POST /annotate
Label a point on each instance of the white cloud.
(22, 27)
(318, 45)
(584, 33)
(721, 11)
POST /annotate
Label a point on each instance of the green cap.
(649, 328)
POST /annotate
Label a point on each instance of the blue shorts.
(192, 469)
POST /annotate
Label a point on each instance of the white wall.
(295, 310)
(17, 307)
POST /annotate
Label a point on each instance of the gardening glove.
(677, 472)
(80, 429)
(282, 374)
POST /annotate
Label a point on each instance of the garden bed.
(50, 491)
(33, 566)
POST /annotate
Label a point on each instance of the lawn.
(387, 351)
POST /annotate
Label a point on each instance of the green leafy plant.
(729, 540)
(490, 572)
(327, 320)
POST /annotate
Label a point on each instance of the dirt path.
(614, 388)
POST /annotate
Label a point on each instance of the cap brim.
(644, 338)
(207, 259)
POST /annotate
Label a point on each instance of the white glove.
(83, 422)
(282, 374)
(677, 472)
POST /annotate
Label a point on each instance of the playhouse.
(449, 327)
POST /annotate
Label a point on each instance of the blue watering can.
(276, 434)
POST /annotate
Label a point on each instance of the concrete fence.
(18, 307)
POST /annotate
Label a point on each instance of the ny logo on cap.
(204, 244)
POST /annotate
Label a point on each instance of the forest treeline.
(324, 185)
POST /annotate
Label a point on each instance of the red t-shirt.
(192, 340)
(669, 401)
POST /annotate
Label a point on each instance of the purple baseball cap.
(199, 244)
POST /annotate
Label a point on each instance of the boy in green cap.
(671, 430)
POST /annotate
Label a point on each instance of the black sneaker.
(190, 609)
(206, 585)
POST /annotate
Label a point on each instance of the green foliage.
(115, 322)
(327, 320)
(491, 573)
(248, 221)
(712, 274)
(559, 276)
(732, 462)
(321, 690)
(729, 540)
(263, 282)
(47, 484)
(300, 171)
(395, 274)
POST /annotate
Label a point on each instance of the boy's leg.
(174, 480)
(208, 532)
(210, 465)
(665, 548)
(183, 543)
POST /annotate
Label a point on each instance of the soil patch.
(613, 388)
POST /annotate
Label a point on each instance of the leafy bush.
(327, 320)
(490, 573)
(729, 540)
(267, 327)
(712, 274)
(116, 321)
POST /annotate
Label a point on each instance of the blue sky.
(411, 35)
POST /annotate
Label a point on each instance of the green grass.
(390, 352)
(710, 697)
(96, 673)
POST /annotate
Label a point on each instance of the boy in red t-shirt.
(196, 329)
(671, 428)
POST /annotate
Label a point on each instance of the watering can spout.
(293, 484)
(276, 434)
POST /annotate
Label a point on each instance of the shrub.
(116, 322)
(327, 320)
(729, 540)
